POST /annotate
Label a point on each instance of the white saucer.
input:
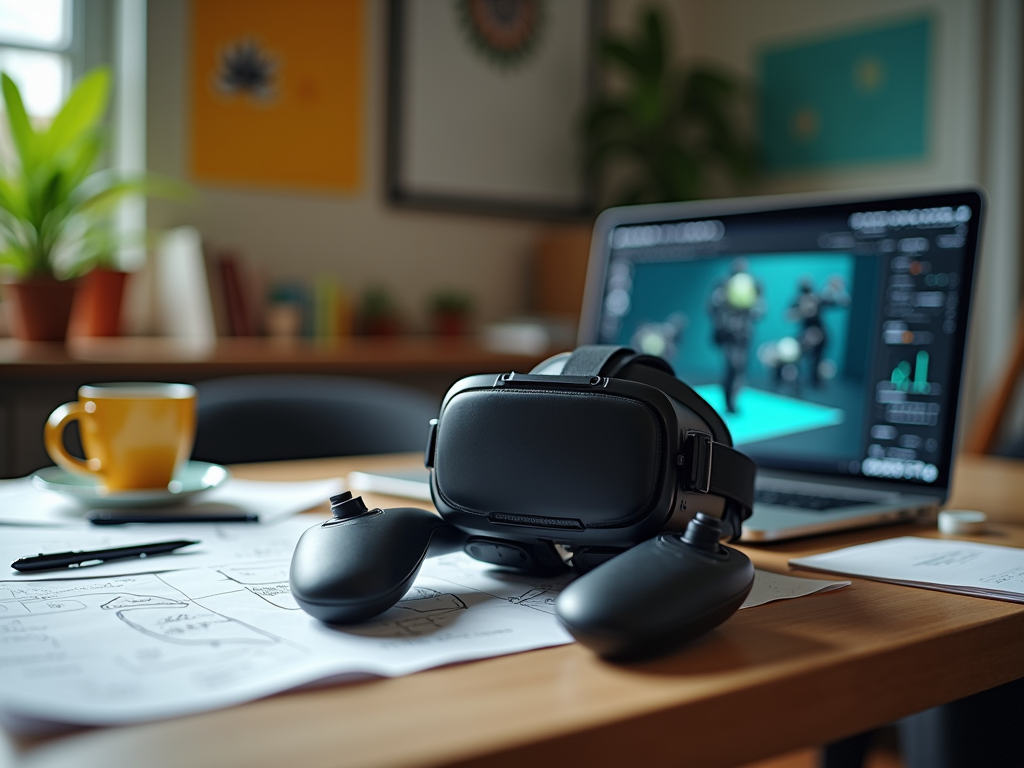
(195, 477)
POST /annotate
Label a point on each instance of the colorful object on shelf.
(332, 309)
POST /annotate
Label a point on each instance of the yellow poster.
(277, 93)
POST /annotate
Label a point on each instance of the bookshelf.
(36, 378)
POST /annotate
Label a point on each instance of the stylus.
(123, 518)
(57, 560)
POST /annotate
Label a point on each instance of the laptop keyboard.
(804, 501)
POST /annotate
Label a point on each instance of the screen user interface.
(829, 338)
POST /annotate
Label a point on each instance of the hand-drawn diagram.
(132, 648)
(420, 612)
(267, 581)
(541, 598)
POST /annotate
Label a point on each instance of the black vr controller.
(600, 461)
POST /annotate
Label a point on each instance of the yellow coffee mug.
(135, 435)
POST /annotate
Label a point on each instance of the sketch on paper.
(144, 646)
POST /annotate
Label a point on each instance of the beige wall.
(358, 238)
(363, 240)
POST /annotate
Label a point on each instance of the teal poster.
(856, 98)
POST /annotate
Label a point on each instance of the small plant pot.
(98, 301)
(383, 325)
(40, 308)
(450, 323)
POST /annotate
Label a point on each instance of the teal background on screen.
(662, 288)
(856, 98)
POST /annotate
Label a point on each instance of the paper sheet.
(134, 648)
(218, 544)
(23, 504)
(130, 648)
(769, 587)
(964, 567)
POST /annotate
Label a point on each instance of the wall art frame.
(486, 117)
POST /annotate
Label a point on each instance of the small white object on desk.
(962, 522)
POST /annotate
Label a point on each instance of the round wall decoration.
(504, 31)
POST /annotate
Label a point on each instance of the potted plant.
(99, 294)
(671, 132)
(449, 312)
(50, 200)
(378, 314)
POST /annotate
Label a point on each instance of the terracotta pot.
(97, 307)
(382, 325)
(450, 323)
(40, 308)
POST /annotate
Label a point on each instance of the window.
(36, 50)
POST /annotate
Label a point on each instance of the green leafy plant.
(450, 301)
(54, 206)
(378, 313)
(674, 130)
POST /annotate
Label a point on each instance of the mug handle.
(53, 437)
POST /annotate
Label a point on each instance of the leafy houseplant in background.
(378, 315)
(449, 312)
(51, 204)
(670, 134)
(100, 284)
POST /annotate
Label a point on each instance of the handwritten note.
(964, 567)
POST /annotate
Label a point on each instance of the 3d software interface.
(828, 339)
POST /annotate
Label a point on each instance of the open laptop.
(828, 332)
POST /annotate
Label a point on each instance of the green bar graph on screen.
(907, 378)
(921, 373)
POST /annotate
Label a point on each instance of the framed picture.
(486, 102)
(276, 97)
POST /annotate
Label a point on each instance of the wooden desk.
(36, 378)
(771, 679)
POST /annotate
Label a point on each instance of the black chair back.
(274, 418)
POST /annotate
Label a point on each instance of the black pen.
(123, 518)
(57, 560)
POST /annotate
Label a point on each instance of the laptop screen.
(829, 337)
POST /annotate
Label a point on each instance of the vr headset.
(589, 454)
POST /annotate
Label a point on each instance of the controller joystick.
(362, 561)
(659, 595)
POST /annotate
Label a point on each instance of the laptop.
(829, 332)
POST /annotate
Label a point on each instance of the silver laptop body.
(829, 331)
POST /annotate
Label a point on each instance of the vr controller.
(600, 461)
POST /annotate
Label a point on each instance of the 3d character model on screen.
(736, 304)
(807, 309)
(661, 339)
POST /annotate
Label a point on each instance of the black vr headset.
(589, 454)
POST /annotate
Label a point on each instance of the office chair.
(279, 417)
